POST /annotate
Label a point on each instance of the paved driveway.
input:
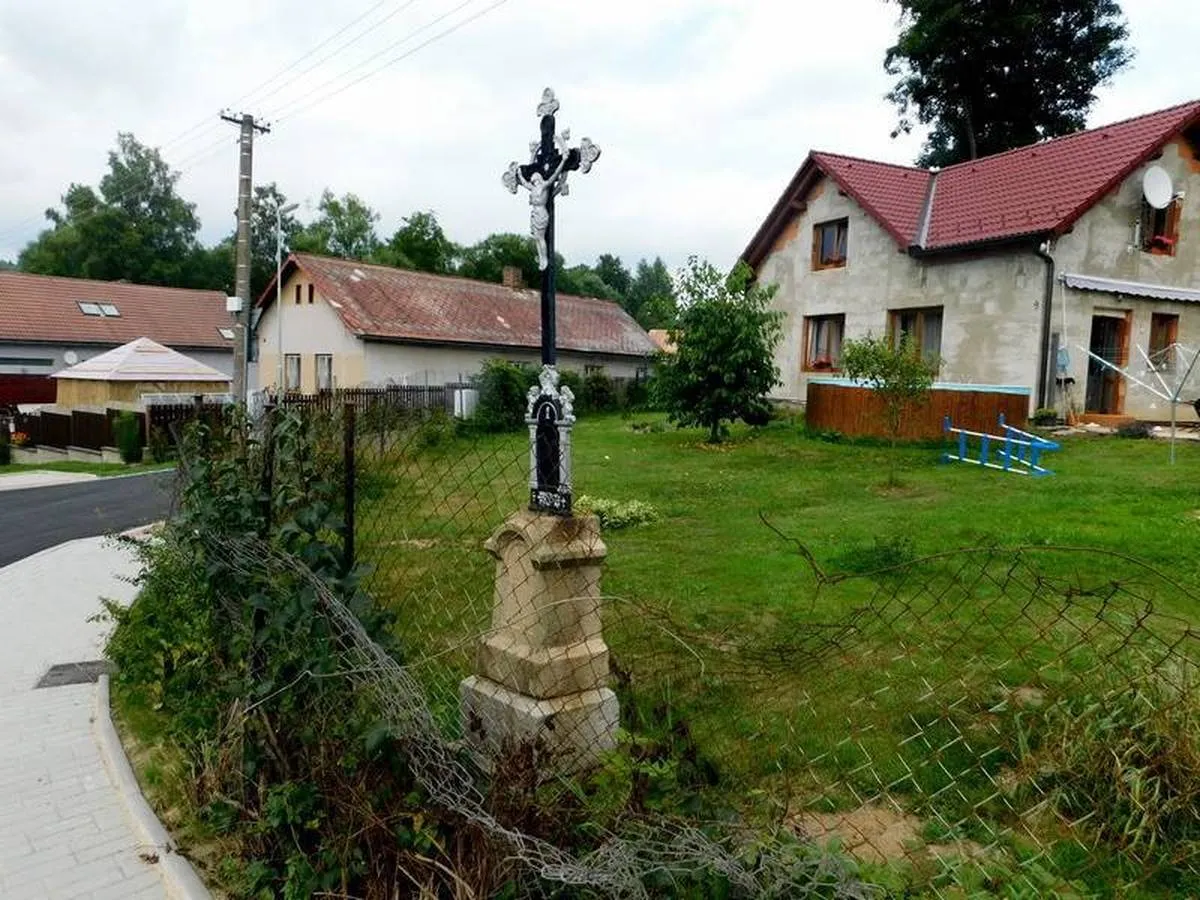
(37, 518)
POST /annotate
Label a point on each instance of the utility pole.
(241, 327)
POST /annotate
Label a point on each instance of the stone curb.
(179, 878)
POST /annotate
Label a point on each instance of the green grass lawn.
(804, 692)
(87, 468)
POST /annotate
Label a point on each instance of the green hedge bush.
(128, 436)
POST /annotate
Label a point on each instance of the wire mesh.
(986, 721)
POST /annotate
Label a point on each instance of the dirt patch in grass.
(878, 834)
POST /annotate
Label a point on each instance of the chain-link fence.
(1010, 722)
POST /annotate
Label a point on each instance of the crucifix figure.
(549, 413)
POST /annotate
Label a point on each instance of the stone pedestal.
(541, 672)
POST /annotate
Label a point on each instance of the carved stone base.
(570, 732)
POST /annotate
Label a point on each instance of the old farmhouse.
(346, 323)
(48, 323)
(1004, 270)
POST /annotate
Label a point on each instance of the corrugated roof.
(382, 303)
(1130, 288)
(45, 309)
(1040, 189)
(142, 360)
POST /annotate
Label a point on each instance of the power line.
(336, 50)
(284, 112)
(209, 150)
(207, 125)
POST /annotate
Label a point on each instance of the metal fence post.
(349, 485)
(267, 486)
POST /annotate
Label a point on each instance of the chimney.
(511, 278)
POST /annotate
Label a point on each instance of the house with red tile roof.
(48, 323)
(344, 323)
(1005, 270)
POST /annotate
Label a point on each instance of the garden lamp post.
(279, 214)
(550, 412)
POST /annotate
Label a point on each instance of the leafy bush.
(1135, 430)
(616, 513)
(160, 444)
(1045, 415)
(502, 389)
(637, 395)
(128, 434)
(598, 393)
(234, 656)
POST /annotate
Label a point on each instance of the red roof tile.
(1034, 190)
(894, 195)
(45, 309)
(1045, 187)
(395, 304)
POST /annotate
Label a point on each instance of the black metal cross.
(549, 413)
(545, 177)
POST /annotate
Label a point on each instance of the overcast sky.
(703, 108)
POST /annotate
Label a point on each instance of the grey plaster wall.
(990, 301)
(1103, 243)
(30, 359)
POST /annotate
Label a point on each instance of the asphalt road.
(36, 518)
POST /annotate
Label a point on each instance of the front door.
(1109, 340)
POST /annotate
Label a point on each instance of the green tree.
(613, 273)
(583, 281)
(420, 244)
(723, 367)
(485, 261)
(897, 374)
(263, 234)
(135, 228)
(213, 267)
(345, 227)
(651, 297)
(989, 76)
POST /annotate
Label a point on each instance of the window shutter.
(1173, 215)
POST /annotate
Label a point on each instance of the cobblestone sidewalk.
(64, 831)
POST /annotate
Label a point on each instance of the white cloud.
(704, 108)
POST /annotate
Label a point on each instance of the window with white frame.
(324, 371)
(291, 371)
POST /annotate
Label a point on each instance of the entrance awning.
(1131, 288)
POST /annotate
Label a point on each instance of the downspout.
(1043, 253)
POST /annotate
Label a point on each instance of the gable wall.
(1102, 244)
(308, 329)
(990, 301)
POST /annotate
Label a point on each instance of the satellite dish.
(70, 357)
(1156, 187)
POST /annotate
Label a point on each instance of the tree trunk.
(714, 434)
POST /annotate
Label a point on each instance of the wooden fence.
(168, 418)
(89, 429)
(413, 397)
(857, 411)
